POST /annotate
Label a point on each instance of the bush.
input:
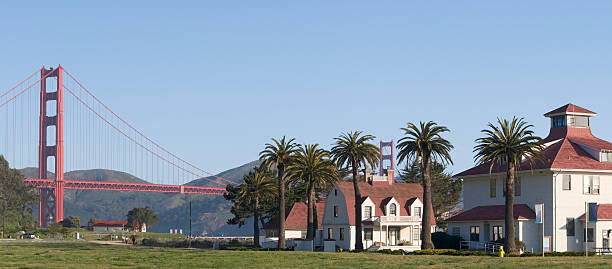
(442, 240)
(392, 252)
(451, 252)
(556, 254)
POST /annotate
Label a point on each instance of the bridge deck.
(121, 186)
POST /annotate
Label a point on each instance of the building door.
(394, 236)
(487, 232)
(605, 239)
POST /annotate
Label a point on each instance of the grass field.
(89, 255)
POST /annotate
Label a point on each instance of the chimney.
(366, 175)
(390, 176)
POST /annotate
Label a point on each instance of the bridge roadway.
(122, 186)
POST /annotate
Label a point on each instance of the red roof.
(110, 223)
(604, 212)
(381, 194)
(565, 151)
(569, 109)
(493, 212)
(297, 218)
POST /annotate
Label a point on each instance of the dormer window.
(605, 156)
(392, 210)
(417, 212)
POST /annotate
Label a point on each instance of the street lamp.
(189, 220)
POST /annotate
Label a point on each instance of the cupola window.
(558, 121)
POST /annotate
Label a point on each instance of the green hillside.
(209, 213)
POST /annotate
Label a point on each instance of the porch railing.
(395, 219)
(477, 245)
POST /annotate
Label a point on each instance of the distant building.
(577, 169)
(109, 226)
(391, 214)
(296, 223)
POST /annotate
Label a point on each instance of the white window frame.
(569, 182)
(418, 211)
(591, 185)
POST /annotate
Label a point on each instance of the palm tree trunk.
(426, 242)
(310, 219)
(358, 242)
(509, 243)
(281, 207)
(256, 223)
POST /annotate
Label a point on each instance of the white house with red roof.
(577, 170)
(296, 224)
(391, 214)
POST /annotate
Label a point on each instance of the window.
(330, 233)
(417, 211)
(416, 233)
(558, 121)
(578, 121)
(456, 231)
(498, 233)
(475, 233)
(341, 233)
(591, 184)
(392, 210)
(567, 182)
(570, 227)
(335, 192)
(492, 190)
(368, 212)
(335, 211)
(589, 235)
(368, 233)
(517, 186)
(605, 156)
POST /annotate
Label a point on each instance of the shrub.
(442, 240)
(451, 252)
(556, 254)
(392, 252)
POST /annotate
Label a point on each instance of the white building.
(296, 225)
(578, 169)
(391, 214)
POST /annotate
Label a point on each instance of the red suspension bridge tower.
(51, 205)
(95, 138)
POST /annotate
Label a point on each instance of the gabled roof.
(380, 194)
(565, 150)
(297, 217)
(570, 109)
(604, 212)
(493, 212)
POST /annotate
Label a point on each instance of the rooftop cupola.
(569, 120)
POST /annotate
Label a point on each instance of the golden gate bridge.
(33, 115)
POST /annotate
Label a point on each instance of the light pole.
(189, 220)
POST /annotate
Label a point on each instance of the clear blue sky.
(214, 81)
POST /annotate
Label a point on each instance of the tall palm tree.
(507, 143)
(258, 185)
(314, 168)
(351, 150)
(423, 144)
(280, 154)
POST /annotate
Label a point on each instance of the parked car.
(29, 236)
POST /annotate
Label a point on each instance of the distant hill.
(209, 213)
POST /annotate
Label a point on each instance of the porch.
(392, 232)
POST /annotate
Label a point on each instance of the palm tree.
(280, 155)
(314, 168)
(507, 144)
(422, 145)
(258, 185)
(352, 150)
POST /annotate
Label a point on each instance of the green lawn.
(90, 255)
